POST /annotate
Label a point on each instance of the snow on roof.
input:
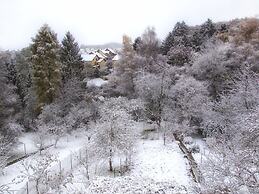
(100, 55)
(82, 51)
(88, 57)
(111, 50)
(97, 82)
(105, 51)
(100, 60)
(116, 58)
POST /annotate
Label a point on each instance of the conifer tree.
(207, 29)
(167, 43)
(23, 77)
(72, 64)
(46, 66)
(137, 44)
(179, 36)
(202, 34)
(9, 100)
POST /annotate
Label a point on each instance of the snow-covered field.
(161, 163)
(156, 169)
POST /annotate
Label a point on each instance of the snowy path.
(161, 163)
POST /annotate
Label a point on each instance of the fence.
(65, 165)
(59, 169)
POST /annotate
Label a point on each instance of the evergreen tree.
(8, 60)
(180, 29)
(137, 44)
(46, 66)
(167, 43)
(223, 28)
(22, 67)
(202, 34)
(72, 64)
(196, 40)
(207, 29)
(3, 81)
(9, 101)
(179, 36)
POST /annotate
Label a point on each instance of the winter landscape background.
(149, 115)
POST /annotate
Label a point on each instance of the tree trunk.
(41, 146)
(56, 142)
(110, 161)
(87, 167)
(37, 186)
(164, 137)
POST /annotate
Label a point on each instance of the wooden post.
(120, 168)
(27, 188)
(126, 162)
(95, 169)
(71, 164)
(164, 137)
(24, 147)
(60, 169)
(201, 156)
(86, 155)
(86, 163)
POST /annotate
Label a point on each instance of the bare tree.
(37, 170)
(115, 133)
(5, 146)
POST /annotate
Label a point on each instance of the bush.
(188, 140)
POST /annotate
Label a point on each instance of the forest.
(189, 103)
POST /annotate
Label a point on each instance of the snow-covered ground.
(161, 162)
(96, 82)
(156, 169)
(26, 145)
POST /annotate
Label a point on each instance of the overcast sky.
(102, 21)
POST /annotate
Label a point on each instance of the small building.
(90, 58)
(100, 58)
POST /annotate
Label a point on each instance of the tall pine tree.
(137, 44)
(9, 100)
(179, 36)
(72, 64)
(23, 75)
(167, 43)
(202, 34)
(207, 29)
(46, 66)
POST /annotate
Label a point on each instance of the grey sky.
(101, 21)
